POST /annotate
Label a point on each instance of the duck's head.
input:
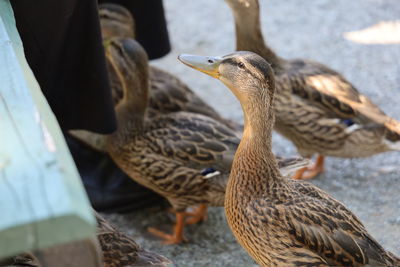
(128, 69)
(116, 21)
(249, 77)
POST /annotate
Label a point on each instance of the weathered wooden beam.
(42, 201)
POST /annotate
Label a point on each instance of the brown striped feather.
(280, 221)
(313, 101)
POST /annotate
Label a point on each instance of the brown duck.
(167, 92)
(116, 21)
(118, 250)
(316, 107)
(280, 221)
(185, 157)
(21, 260)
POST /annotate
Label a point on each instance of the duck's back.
(329, 90)
(120, 250)
(320, 111)
(176, 155)
(297, 224)
(170, 94)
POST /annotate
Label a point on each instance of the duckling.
(185, 157)
(316, 107)
(120, 250)
(281, 221)
(167, 92)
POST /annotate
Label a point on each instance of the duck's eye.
(210, 61)
(241, 65)
(119, 49)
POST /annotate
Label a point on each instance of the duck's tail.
(395, 261)
(289, 166)
(147, 258)
(120, 249)
(392, 135)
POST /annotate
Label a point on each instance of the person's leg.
(63, 47)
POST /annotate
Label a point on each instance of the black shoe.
(109, 189)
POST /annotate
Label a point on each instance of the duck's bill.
(107, 43)
(208, 65)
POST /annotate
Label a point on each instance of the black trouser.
(63, 47)
(62, 44)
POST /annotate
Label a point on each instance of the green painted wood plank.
(42, 200)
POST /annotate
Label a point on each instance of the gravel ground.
(338, 33)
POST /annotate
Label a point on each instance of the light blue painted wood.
(42, 201)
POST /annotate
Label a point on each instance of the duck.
(316, 108)
(167, 92)
(120, 250)
(117, 248)
(21, 260)
(183, 156)
(281, 221)
(116, 21)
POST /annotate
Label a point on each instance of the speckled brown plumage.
(280, 221)
(316, 107)
(120, 250)
(185, 157)
(170, 94)
(21, 260)
(116, 21)
(167, 92)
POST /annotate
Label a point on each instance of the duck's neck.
(131, 110)
(130, 123)
(254, 164)
(249, 38)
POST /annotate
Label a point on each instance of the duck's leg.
(177, 235)
(199, 214)
(309, 173)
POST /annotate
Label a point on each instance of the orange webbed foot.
(177, 236)
(198, 215)
(168, 239)
(309, 173)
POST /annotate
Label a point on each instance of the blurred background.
(360, 39)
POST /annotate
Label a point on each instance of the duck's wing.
(194, 140)
(335, 107)
(290, 165)
(323, 87)
(203, 143)
(170, 94)
(324, 226)
(121, 250)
